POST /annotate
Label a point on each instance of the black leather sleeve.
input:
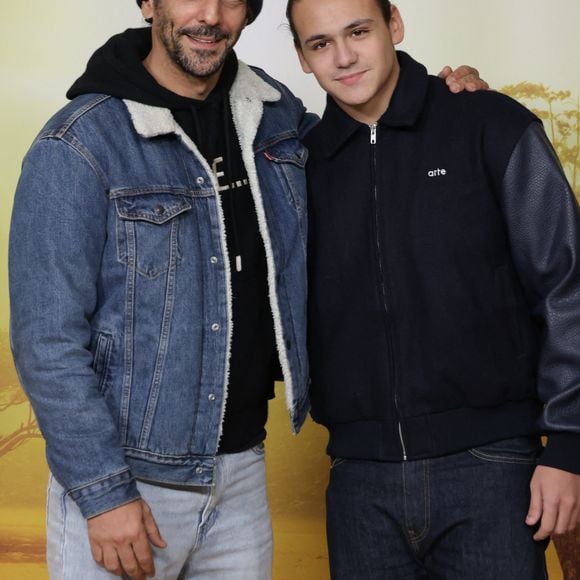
(543, 221)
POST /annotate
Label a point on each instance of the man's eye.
(359, 32)
(319, 45)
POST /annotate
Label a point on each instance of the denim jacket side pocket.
(102, 346)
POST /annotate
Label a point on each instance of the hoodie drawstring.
(235, 247)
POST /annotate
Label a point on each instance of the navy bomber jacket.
(444, 304)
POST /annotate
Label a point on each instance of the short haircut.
(384, 5)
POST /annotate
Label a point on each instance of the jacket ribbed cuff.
(562, 452)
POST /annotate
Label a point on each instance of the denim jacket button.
(211, 397)
(199, 470)
(213, 260)
(159, 210)
(215, 327)
(200, 180)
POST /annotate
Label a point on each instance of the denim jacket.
(120, 285)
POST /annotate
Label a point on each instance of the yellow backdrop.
(44, 46)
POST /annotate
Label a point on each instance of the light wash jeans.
(212, 533)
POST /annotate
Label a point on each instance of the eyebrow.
(351, 26)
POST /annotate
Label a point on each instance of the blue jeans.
(212, 533)
(459, 517)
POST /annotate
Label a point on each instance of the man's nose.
(209, 12)
(345, 56)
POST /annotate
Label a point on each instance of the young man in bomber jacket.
(444, 312)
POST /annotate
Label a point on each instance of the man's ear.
(302, 60)
(147, 10)
(396, 25)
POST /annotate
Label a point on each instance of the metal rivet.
(211, 397)
(200, 180)
(215, 327)
(213, 260)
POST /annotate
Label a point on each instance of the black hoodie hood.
(116, 69)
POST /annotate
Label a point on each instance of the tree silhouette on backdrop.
(560, 112)
(12, 396)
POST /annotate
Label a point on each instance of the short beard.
(202, 63)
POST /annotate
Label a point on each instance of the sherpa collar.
(248, 89)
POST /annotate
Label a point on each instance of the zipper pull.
(373, 128)
(402, 442)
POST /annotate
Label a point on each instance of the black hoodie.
(116, 69)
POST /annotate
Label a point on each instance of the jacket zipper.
(374, 142)
(373, 139)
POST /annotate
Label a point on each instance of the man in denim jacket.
(157, 268)
(157, 264)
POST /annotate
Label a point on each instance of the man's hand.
(464, 78)
(120, 540)
(555, 501)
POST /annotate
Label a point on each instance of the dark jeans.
(461, 516)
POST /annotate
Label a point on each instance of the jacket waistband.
(434, 434)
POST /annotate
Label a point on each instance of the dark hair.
(384, 5)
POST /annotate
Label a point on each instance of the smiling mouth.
(204, 36)
(351, 78)
(205, 40)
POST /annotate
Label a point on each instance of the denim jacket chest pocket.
(148, 229)
(288, 158)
